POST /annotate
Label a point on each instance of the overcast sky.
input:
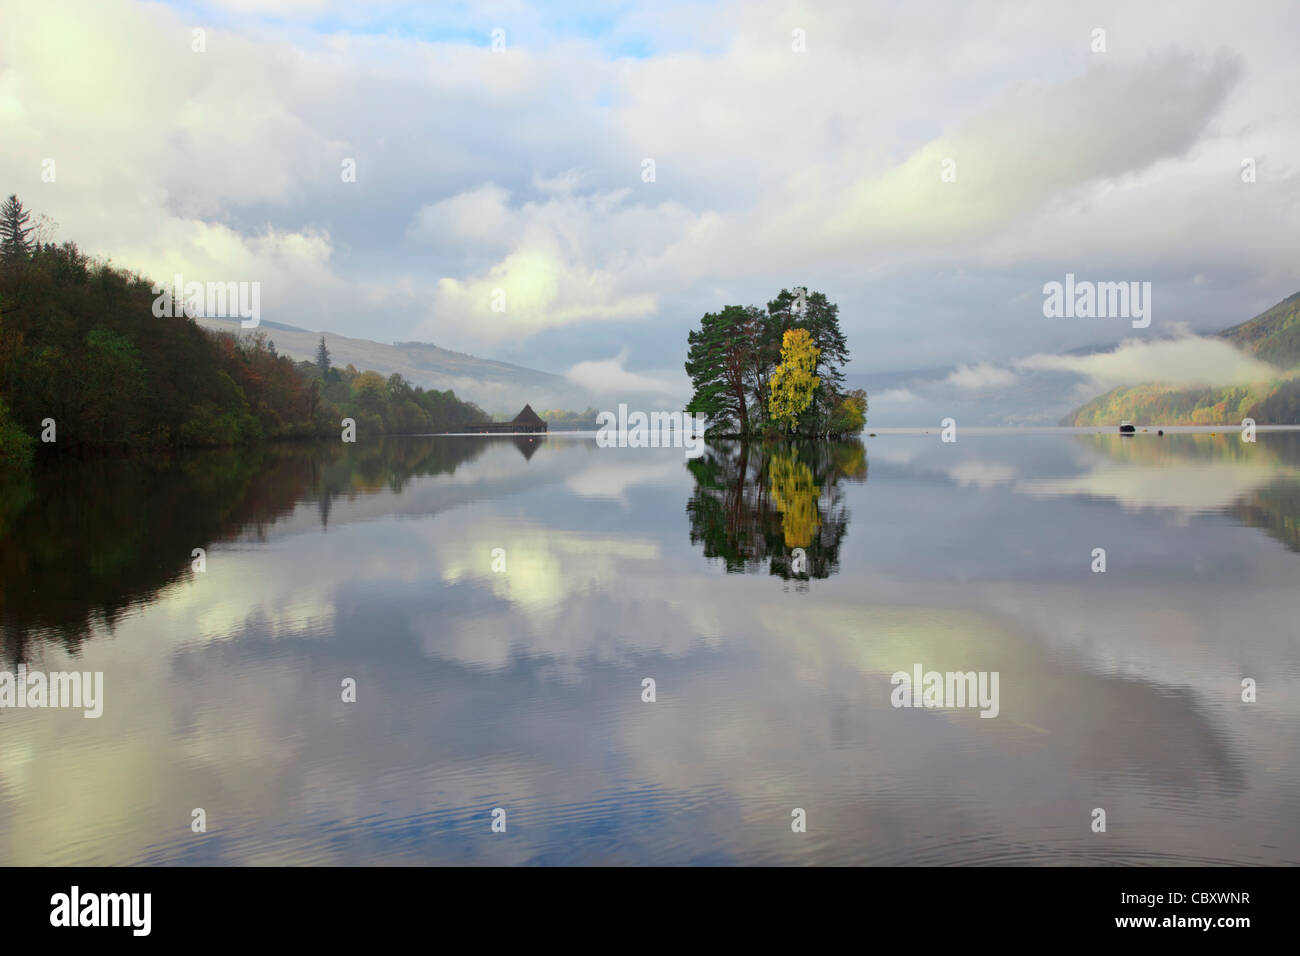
(773, 167)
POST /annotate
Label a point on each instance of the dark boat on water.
(1127, 428)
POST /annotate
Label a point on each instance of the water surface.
(521, 688)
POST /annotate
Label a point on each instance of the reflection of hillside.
(387, 465)
(1275, 510)
(1257, 484)
(755, 504)
(1148, 448)
(81, 542)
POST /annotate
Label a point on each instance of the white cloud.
(522, 171)
(893, 396)
(571, 259)
(609, 377)
(1187, 360)
(980, 376)
(538, 287)
(476, 217)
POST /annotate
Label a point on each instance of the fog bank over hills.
(493, 386)
(1136, 377)
(983, 394)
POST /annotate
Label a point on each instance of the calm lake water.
(521, 688)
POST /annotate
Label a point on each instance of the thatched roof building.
(530, 419)
(526, 421)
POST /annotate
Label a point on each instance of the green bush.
(15, 444)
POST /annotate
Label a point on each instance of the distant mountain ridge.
(493, 385)
(1273, 337)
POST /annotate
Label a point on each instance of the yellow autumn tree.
(793, 383)
(793, 491)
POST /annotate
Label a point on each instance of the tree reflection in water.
(754, 505)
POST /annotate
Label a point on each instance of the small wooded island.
(774, 372)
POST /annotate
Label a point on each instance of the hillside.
(1154, 404)
(497, 386)
(85, 363)
(1272, 336)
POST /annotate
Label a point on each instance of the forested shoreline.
(81, 347)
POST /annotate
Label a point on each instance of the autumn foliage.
(79, 344)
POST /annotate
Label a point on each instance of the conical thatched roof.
(527, 417)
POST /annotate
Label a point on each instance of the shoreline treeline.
(79, 344)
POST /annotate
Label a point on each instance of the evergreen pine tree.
(14, 244)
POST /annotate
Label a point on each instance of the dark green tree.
(80, 343)
(14, 244)
(720, 365)
(322, 357)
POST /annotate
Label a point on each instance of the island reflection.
(756, 506)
